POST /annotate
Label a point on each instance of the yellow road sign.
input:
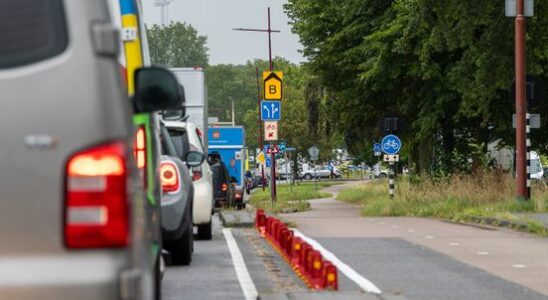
(261, 158)
(273, 85)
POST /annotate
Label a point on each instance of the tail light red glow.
(140, 152)
(196, 173)
(169, 177)
(96, 204)
(224, 187)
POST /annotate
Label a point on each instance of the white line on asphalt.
(454, 244)
(363, 283)
(482, 253)
(250, 292)
(429, 237)
(518, 266)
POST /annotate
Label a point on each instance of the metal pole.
(263, 182)
(269, 42)
(520, 65)
(233, 118)
(391, 183)
(273, 169)
(528, 151)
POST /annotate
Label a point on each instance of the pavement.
(423, 258)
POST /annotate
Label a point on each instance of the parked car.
(223, 189)
(320, 172)
(73, 208)
(188, 137)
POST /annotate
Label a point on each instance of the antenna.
(163, 4)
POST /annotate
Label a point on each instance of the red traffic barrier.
(296, 251)
(288, 243)
(331, 278)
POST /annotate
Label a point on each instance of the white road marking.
(411, 230)
(454, 244)
(361, 281)
(429, 237)
(248, 288)
(483, 253)
(518, 266)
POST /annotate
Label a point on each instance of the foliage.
(177, 45)
(444, 67)
(289, 199)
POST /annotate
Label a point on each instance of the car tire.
(181, 249)
(308, 176)
(205, 231)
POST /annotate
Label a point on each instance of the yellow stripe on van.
(134, 54)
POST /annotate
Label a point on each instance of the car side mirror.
(194, 158)
(157, 89)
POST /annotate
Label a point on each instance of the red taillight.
(224, 187)
(199, 132)
(96, 204)
(140, 152)
(169, 177)
(196, 173)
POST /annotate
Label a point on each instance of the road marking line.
(518, 266)
(363, 283)
(248, 288)
(454, 244)
(429, 237)
(482, 253)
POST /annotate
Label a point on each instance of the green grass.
(289, 198)
(459, 198)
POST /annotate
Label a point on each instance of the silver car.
(72, 210)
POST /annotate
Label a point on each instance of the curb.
(491, 221)
(239, 218)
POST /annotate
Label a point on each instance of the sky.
(216, 18)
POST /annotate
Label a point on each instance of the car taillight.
(140, 153)
(199, 132)
(169, 177)
(196, 173)
(224, 187)
(96, 204)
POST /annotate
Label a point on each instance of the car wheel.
(158, 278)
(181, 249)
(205, 231)
(308, 176)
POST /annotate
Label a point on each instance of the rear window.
(31, 31)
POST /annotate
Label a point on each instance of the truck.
(229, 143)
(193, 81)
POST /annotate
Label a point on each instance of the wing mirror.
(194, 158)
(157, 89)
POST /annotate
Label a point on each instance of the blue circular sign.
(391, 144)
(377, 147)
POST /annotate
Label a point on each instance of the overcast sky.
(216, 18)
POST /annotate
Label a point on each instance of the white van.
(536, 169)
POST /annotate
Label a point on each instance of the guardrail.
(308, 263)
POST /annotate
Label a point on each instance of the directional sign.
(261, 158)
(391, 158)
(272, 85)
(391, 144)
(314, 152)
(271, 110)
(270, 131)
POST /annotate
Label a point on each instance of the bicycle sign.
(391, 144)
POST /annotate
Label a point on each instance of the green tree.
(177, 45)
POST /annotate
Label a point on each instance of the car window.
(180, 141)
(31, 31)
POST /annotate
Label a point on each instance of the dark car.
(177, 200)
(223, 189)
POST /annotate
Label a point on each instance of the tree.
(177, 45)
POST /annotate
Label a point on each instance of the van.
(73, 219)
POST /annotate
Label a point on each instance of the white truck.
(193, 81)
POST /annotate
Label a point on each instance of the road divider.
(307, 262)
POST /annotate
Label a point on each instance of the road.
(429, 259)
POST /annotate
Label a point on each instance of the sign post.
(391, 146)
(314, 152)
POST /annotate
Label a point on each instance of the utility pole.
(163, 4)
(269, 30)
(521, 107)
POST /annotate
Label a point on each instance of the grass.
(289, 199)
(459, 198)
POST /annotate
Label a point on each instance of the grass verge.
(458, 198)
(289, 198)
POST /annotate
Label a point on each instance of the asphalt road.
(426, 258)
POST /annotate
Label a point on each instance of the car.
(188, 137)
(320, 172)
(223, 189)
(73, 214)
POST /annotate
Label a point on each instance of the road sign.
(271, 110)
(377, 153)
(261, 158)
(272, 85)
(270, 131)
(528, 9)
(314, 152)
(377, 147)
(391, 158)
(391, 144)
(534, 121)
(290, 149)
(268, 162)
